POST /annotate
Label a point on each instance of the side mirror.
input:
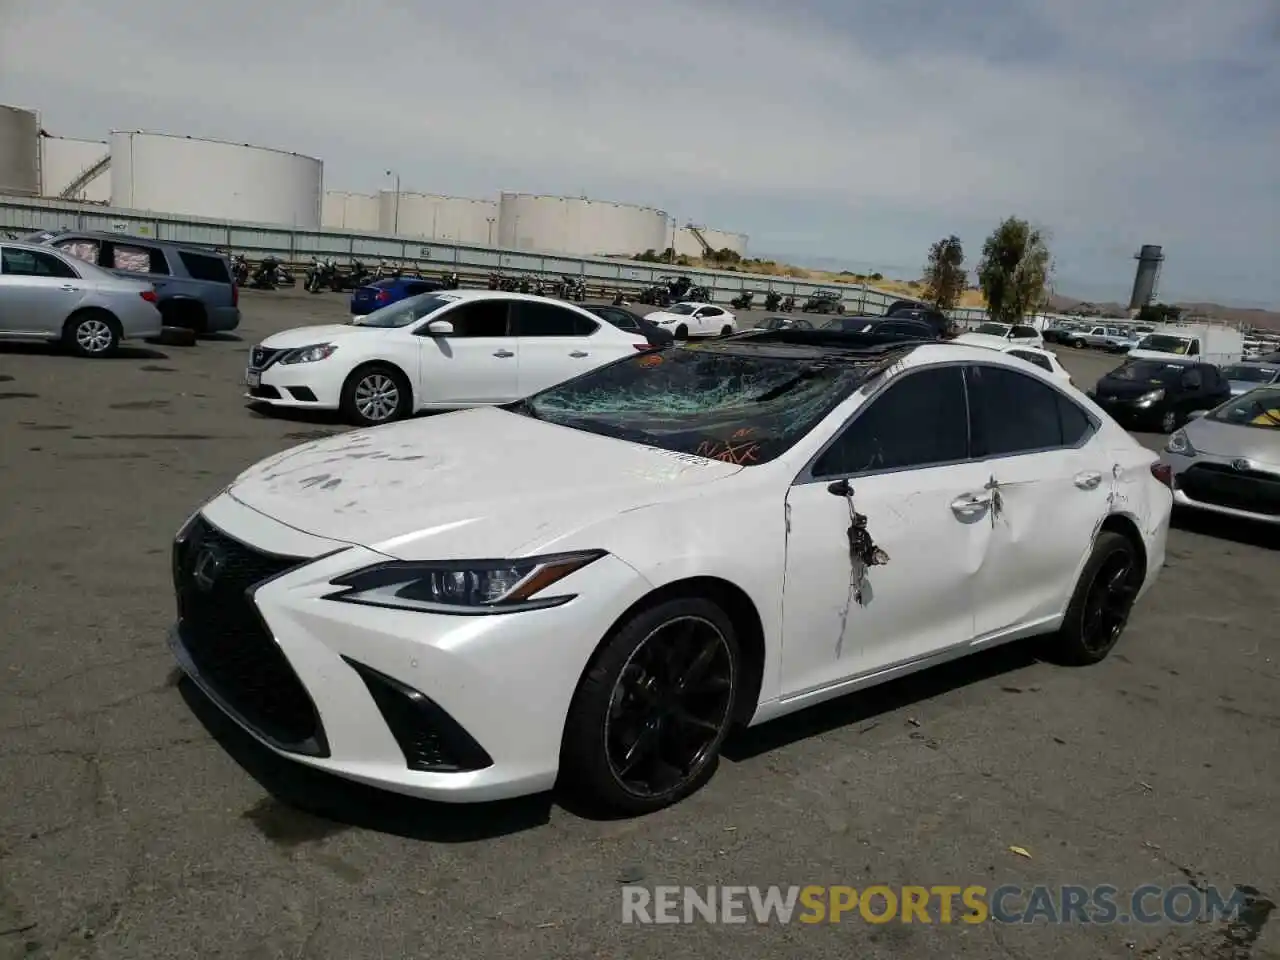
(1196, 414)
(440, 328)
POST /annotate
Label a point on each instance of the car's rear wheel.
(1100, 607)
(92, 333)
(648, 719)
(375, 393)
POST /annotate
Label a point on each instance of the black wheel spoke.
(670, 706)
(1109, 601)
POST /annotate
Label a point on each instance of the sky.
(833, 132)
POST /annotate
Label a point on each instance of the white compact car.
(434, 351)
(1046, 360)
(1024, 334)
(686, 320)
(594, 584)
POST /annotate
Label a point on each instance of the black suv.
(194, 284)
(1160, 394)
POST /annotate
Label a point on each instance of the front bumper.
(316, 386)
(1211, 484)
(314, 686)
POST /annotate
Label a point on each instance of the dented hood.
(477, 483)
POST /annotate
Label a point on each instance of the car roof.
(473, 294)
(208, 249)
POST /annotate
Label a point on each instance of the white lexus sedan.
(593, 585)
(435, 351)
(686, 320)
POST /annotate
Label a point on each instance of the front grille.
(233, 651)
(1221, 485)
(262, 357)
(429, 738)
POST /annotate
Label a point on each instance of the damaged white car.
(595, 584)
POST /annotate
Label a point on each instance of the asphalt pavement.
(138, 823)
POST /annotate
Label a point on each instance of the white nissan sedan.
(593, 585)
(434, 351)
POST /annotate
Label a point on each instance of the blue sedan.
(383, 293)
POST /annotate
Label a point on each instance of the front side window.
(918, 421)
(479, 318)
(32, 263)
(1014, 413)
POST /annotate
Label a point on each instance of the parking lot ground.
(139, 824)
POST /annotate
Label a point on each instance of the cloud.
(850, 129)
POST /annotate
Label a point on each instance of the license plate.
(253, 378)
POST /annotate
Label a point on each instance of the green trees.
(1014, 271)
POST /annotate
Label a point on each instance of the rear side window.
(203, 267)
(1013, 413)
(32, 263)
(918, 421)
(548, 320)
(84, 249)
(1024, 331)
(136, 259)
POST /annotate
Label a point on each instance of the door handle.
(579, 353)
(67, 286)
(503, 353)
(1088, 480)
(970, 503)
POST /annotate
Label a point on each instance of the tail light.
(383, 296)
(235, 294)
(149, 296)
(1164, 473)
(645, 347)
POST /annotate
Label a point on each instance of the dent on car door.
(476, 363)
(1050, 481)
(859, 598)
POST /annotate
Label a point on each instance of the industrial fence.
(298, 246)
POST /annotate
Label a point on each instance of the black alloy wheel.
(649, 718)
(1103, 599)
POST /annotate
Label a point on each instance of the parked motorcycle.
(451, 281)
(772, 301)
(267, 276)
(321, 274)
(743, 300)
(698, 295)
(240, 269)
(619, 299)
(788, 305)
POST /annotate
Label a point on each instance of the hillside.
(1262, 319)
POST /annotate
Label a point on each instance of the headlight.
(1180, 443)
(1152, 395)
(317, 351)
(464, 586)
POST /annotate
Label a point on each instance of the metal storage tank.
(405, 213)
(688, 244)
(216, 179)
(75, 169)
(580, 227)
(349, 211)
(1149, 258)
(19, 151)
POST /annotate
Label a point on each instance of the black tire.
(726, 331)
(1077, 344)
(598, 722)
(185, 315)
(682, 332)
(92, 333)
(1113, 568)
(358, 406)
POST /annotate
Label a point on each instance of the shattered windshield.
(1260, 407)
(682, 309)
(738, 404)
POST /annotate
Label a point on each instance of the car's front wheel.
(375, 393)
(1099, 608)
(647, 721)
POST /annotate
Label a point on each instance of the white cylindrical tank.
(349, 211)
(433, 217)
(19, 152)
(578, 226)
(65, 162)
(212, 178)
(688, 245)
